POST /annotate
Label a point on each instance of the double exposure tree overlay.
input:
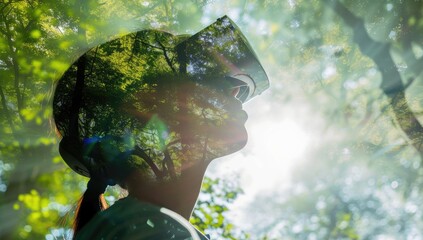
(357, 65)
(39, 41)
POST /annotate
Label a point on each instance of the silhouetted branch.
(169, 164)
(391, 84)
(77, 98)
(169, 62)
(140, 152)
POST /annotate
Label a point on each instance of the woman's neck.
(178, 195)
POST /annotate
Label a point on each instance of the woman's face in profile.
(199, 122)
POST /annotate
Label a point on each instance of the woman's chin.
(239, 140)
(230, 140)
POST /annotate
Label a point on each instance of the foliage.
(361, 180)
(210, 215)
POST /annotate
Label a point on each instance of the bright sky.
(278, 140)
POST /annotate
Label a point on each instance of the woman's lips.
(239, 116)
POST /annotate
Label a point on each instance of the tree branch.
(169, 163)
(169, 62)
(6, 110)
(140, 152)
(391, 84)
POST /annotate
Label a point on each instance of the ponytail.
(89, 204)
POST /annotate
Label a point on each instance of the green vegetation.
(356, 64)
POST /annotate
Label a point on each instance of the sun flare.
(282, 141)
(276, 146)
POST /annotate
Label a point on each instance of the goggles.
(221, 50)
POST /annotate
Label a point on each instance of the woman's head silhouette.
(156, 104)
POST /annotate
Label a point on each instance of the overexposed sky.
(278, 140)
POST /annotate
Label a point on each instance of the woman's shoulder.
(130, 218)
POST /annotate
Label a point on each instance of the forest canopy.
(335, 145)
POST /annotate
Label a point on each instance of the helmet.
(103, 103)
